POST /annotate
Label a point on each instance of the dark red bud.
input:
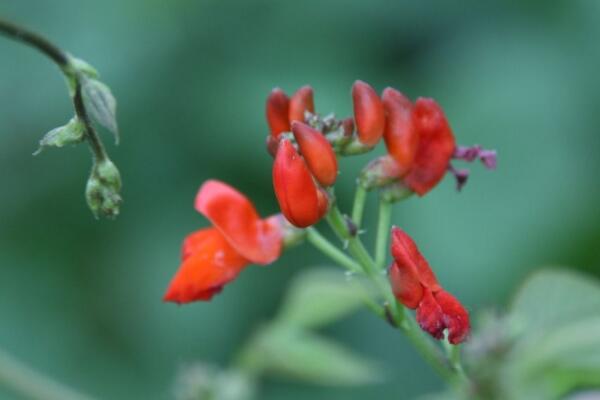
(406, 286)
(317, 152)
(430, 316)
(456, 317)
(278, 105)
(300, 102)
(407, 255)
(368, 113)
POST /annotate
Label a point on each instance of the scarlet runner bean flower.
(213, 257)
(368, 113)
(414, 284)
(302, 201)
(421, 144)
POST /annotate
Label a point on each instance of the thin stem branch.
(383, 229)
(64, 62)
(30, 384)
(360, 198)
(327, 248)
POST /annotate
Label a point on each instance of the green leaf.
(320, 296)
(83, 67)
(560, 347)
(311, 358)
(553, 297)
(101, 104)
(71, 133)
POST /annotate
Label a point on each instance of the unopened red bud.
(405, 285)
(407, 255)
(317, 152)
(430, 316)
(300, 102)
(456, 317)
(401, 137)
(368, 113)
(295, 189)
(278, 105)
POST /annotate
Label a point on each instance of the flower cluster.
(305, 146)
(414, 284)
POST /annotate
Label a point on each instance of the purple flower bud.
(488, 158)
(461, 176)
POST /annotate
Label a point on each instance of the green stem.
(429, 351)
(64, 62)
(24, 381)
(383, 230)
(360, 198)
(327, 248)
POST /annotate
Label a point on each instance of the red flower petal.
(278, 105)
(456, 317)
(236, 218)
(300, 102)
(317, 153)
(436, 146)
(294, 187)
(407, 256)
(430, 316)
(209, 263)
(368, 113)
(405, 285)
(400, 136)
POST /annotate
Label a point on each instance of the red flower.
(212, 257)
(301, 102)
(317, 152)
(414, 284)
(418, 137)
(278, 105)
(368, 113)
(302, 202)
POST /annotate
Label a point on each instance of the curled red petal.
(407, 255)
(436, 146)
(456, 317)
(405, 285)
(300, 102)
(278, 106)
(400, 136)
(368, 113)
(236, 218)
(209, 263)
(430, 316)
(294, 187)
(317, 153)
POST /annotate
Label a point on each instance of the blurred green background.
(81, 299)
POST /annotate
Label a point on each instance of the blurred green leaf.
(320, 296)
(101, 104)
(553, 297)
(71, 133)
(311, 358)
(560, 347)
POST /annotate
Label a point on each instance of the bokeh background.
(80, 299)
